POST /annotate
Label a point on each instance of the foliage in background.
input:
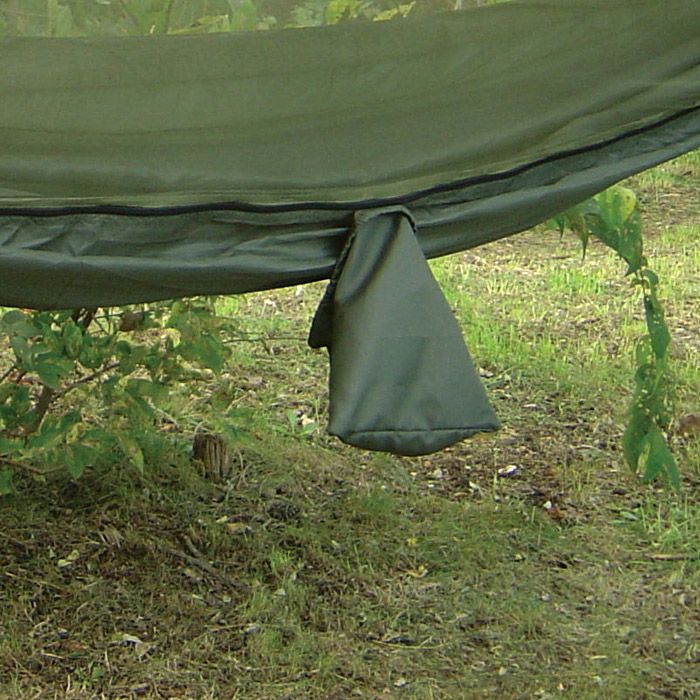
(140, 17)
(613, 218)
(91, 386)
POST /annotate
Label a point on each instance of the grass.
(523, 564)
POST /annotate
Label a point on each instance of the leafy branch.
(613, 218)
(129, 360)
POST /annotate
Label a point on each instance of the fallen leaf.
(555, 514)
(69, 560)
(238, 528)
(689, 425)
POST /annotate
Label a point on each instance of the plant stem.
(7, 373)
(41, 406)
(89, 377)
(130, 15)
(29, 467)
(168, 17)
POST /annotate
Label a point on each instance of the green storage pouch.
(401, 379)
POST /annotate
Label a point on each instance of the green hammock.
(135, 169)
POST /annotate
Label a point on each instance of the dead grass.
(525, 564)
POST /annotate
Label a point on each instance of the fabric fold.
(401, 379)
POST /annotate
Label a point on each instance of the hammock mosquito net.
(206, 159)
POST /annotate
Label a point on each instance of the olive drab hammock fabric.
(420, 392)
(134, 169)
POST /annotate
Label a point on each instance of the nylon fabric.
(91, 259)
(401, 379)
(346, 113)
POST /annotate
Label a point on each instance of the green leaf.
(577, 223)
(136, 407)
(658, 331)
(651, 278)
(77, 457)
(245, 17)
(23, 351)
(643, 354)
(17, 323)
(60, 317)
(72, 339)
(147, 18)
(613, 218)
(19, 403)
(629, 243)
(401, 10)
(100, 442)
(51, 369)
(6, 391)
(143, 388)
(206, 23)
(616, 205)
(49, 342)
(53, 430)
(9, 447)
(91, 356)
(6, 487)
(558, 223)
(131, 450)
(78, 13)
(52, 8)
(617, 225)
(603, 231)
(12, 317)
(127, 359)
(209, 352)
(634, 439)
(340, 9)
(660, 461)
(62, 22)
